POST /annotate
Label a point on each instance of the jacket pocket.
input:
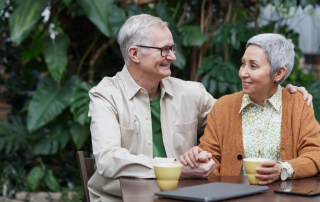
(185, 137)
(130, 138)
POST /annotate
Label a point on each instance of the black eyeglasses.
(164, 50)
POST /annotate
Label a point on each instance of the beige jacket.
(122, 132)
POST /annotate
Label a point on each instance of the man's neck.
(152, 85)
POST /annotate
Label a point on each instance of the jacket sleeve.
(112, 160)
(206, 104)
(307, 163)
(210, 142)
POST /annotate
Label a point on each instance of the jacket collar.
(132, 87)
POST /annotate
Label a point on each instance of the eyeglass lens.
(165, 50)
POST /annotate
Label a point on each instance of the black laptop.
(212, 192)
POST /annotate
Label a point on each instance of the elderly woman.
(264, 120)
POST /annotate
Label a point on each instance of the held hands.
(271, 172)
(193, 156)
(203, 170)
(200, 163)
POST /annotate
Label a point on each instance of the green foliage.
(53, 140)
(35, 175)
(80, 103)
(98, 12)
(79, 134)
(55, 53)
(2, 4)
(49, 119)
(51, 181)
(192, 36)
(117, 18)
(25, 16)
(49, 101)
(13, 135)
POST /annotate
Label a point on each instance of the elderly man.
(142, 116)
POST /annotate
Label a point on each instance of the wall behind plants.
(53, 52)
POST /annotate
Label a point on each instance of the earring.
(274, 81)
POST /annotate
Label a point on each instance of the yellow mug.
(250, 165)
(167, 175)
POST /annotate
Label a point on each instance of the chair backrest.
(86, 167)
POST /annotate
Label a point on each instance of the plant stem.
(86, 54)
(176, 10)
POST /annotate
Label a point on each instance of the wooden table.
(143, 189)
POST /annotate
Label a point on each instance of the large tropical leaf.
(133, 10)
(24, 17)
(55, 53)
(117, 18)
(79, 134)
(165, 14)
(51, 181)
(49, 101)
(193, 36)
(56, 139)
(35, 175)
(98, 12)
(80, 104)
(13, 134)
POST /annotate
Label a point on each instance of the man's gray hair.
(135, 32)
(280, 51)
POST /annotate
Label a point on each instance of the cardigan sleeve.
(210, 142)
(307, 163)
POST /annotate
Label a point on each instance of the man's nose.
(171, 56)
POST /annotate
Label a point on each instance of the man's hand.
(270, 172)
(306, 95)
(202, 171)
(192, 157)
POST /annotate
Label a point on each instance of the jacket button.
(239, 157)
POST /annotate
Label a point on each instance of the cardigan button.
(239, 157)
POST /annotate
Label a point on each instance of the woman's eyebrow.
(254, 61)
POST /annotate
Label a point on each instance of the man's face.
(152, 63)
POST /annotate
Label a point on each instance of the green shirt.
(158, 146)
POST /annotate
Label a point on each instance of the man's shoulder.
(105, 87)
(179, 84)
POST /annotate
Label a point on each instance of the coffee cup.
(167, 175)
(250, 165)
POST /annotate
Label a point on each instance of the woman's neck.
(260, 98)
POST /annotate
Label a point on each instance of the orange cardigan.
(300, 142)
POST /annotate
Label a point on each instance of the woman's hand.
(194, 155)
(270, 172)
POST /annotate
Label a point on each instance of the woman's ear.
(134, 54)
(279, 74)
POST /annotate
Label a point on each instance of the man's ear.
(279, 73)
(134, 54)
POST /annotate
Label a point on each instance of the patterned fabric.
(261, 129)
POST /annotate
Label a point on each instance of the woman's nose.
(243, 72)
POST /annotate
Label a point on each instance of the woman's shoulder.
(292, 98)
(230, 99)
(229, 102)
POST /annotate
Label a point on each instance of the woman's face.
(255, 73)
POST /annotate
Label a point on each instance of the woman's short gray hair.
(280, 51)
(135, 32)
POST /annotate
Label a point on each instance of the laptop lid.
(212, 192)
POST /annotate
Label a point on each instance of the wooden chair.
(86, 167)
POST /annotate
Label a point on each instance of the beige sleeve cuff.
(289, 168)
